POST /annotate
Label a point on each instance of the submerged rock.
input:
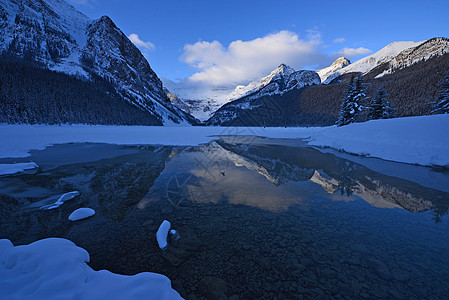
(380, 267)
(213, 288)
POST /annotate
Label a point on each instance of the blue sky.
(221, 42)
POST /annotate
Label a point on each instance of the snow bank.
(416, 140)
(9, 169)
(56, 268)
(81, 214)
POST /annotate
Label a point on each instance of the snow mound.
(56, 268)
(9, 169)
(81, 214)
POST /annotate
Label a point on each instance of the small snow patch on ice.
(61, 200)
(81, 213)
(162, 234)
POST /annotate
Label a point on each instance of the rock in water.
(380, 267)
(81, 213)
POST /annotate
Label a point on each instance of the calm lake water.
(258, 218)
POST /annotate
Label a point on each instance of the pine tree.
(442, 104)
(351, 106)
(380, 107)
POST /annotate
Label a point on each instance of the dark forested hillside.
(29, 94)
(411, 92)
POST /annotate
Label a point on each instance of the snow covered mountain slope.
(372, 61)
(280, 81)
(337, 65)
(410, 56)
(57, 36)
(52, 33)
(279, 86)
(283, 71)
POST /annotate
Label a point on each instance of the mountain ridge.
(411, 91)
(57, 36)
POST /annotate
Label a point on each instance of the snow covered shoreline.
(415, 140)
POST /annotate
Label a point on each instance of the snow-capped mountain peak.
(282, 72)
(384, 55)
(337, 65)
(278, 82)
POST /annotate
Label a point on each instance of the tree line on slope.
(442, 103)
(379, 107)
(32, 95)
(352, 108)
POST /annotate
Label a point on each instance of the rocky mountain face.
(177, 102)
(56, 36)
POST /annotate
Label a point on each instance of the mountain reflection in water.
(290, 170)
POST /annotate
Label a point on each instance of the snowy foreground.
(56, 268)
(415, 140)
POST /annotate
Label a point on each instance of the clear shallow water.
(275, 225)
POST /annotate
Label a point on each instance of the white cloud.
(141, 44)
(313, 34)
(243, 61)
(352, 52)
(339, 40)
